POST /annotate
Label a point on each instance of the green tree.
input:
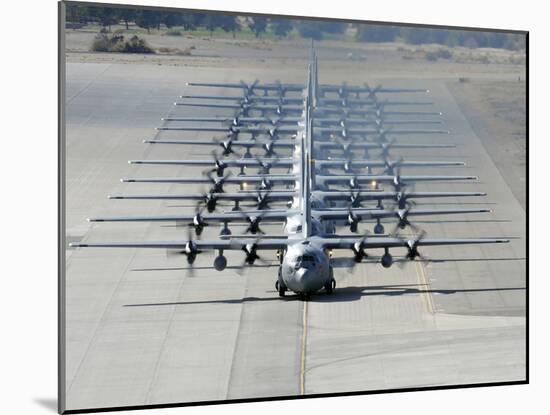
(171, 19)
(126, 15)
(148, 19)
(376, 33)
(228, 23)
(258, 25)
(281, 27)
(416, 35)
(210, 23)
(310, 29)
(332, 27)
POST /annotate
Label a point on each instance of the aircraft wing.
(266, 215)
(351, 179)
(289, 178)
(373, 131)
(253, 106)
(242, 162)
(242, 129)
(250, 98)
(252, 86)
(234, 196)
(360, 102)
(225, 244)
(242, 120)
(382, 163)
(389, 242)
(362, 214)
(234, 143)
(379, 195)
(334, 145)
(355, 89)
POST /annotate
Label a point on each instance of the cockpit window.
(305, 261)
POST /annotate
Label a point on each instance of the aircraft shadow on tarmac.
(351, 293)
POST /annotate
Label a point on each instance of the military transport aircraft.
(304, 251)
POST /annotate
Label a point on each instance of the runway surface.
(141, 331)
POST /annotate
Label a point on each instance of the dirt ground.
(497, 113)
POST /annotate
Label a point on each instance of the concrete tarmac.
(142, 329)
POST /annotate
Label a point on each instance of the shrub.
(431, 56)
(100, 43)
(444, 54)
(116, 43)
(134, 45)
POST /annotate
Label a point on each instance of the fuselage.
(305, 267)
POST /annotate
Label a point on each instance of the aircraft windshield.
(305, 261)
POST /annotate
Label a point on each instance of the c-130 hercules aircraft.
(305, 251)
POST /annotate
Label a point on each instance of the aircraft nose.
(307, 279)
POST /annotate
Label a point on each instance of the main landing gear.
(330, 286)
(280, 287)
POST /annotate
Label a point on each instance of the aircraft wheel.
(379, 229)
(280, 288)
(304, 296)
(330, 286)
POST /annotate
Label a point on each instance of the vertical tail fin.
(307, 146)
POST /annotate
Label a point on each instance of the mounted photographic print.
(258, 207)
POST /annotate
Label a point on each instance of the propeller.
(219, 165)
(348, 165)
(210, 200)
(355, 198)
(382, 133)
(251, 256)
(227, 145)
(371, 93)
(343, 90)
(386, 147)
(269, 148)
(398, 183)
(217, 182)
(190, 251)
(391, 165)
(412, 248)
(358, 252)
(253, 223)
(249, 88)
(403, 220)
(354, 183)
(402, 200)
(353, 221)
(265, 166)
(198, 221)
(262, 200)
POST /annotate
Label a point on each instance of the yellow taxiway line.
(425, 290)
(303, 351)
